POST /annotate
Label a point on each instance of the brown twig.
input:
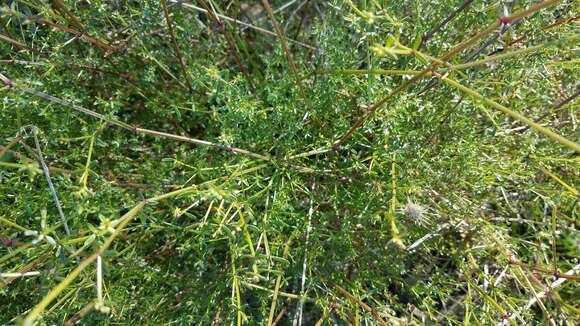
(80, 314)
(124, 75)
(438, 27)
(81, 35)
(54, 169)
(155, 133)
(176, 46)
(61, 6)
(286, 49)
(230, 40)
(280, 315)
(363, 305)
(555, 107)
(545, 27)
(14, 42)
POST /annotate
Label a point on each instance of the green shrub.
(340, 162)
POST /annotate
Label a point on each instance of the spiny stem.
(12, 224)
(14, 42)
(80, 314)
(280, 293)
(545, 27)
(369, 72)
(75, 107)
(492, 40)
(560, 181)
(124, 75)
(500, 56)
(449, 66)
(154, 133)
(535, 295)
(280, 316)
(201, 142)
(556, 284)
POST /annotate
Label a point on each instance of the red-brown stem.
(61, 6)
(286, 49)
(230, 40)
(547, 271)
(14, 42)
(363, 305)
(546, 27)
(176, 46)
(82, 35)
(80, 314)
(280, 315)
(230, 149)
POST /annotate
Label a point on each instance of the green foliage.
(496, 202)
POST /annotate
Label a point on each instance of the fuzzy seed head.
(415, 212)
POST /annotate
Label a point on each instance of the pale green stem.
(545, 131)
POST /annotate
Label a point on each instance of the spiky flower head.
(416, 213)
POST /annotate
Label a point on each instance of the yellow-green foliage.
(388, 162)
